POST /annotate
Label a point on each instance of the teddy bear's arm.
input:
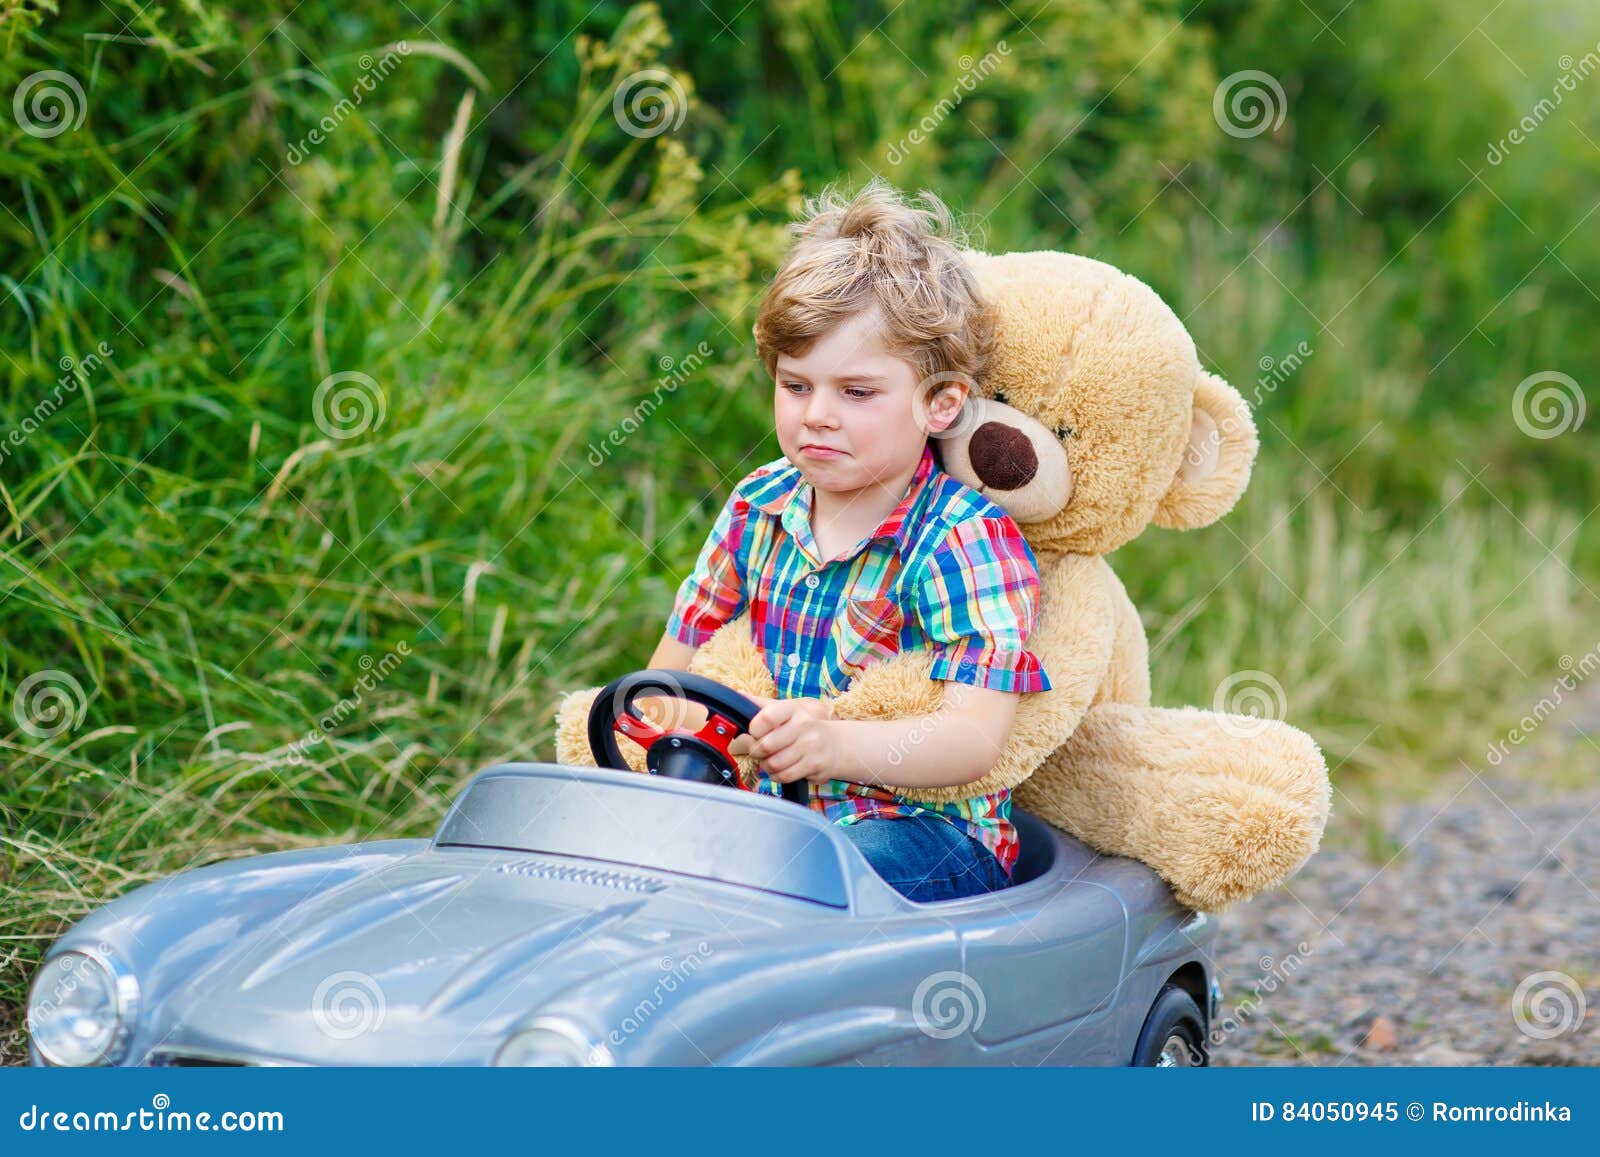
(1072, 638)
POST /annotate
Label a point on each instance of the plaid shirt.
(947, 570)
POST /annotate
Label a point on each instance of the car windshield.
(716, 833)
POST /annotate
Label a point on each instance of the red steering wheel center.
(717, 732)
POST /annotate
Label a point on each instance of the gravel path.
(1496, 885)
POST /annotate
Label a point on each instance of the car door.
(1046, 961)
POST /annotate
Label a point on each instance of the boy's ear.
(1215, 467)
(938, 403)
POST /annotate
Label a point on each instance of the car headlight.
(552, 1042)
(81, 1009)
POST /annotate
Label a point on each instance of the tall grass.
(294, 623)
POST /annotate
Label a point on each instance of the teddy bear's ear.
(1216, 463)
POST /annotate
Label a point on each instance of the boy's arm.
(662, 710)
(957, 744)
(951, 746)
(672, 654)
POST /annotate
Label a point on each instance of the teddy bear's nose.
(1002, 456)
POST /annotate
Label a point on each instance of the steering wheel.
(677, 753)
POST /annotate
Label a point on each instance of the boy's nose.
(819, 413)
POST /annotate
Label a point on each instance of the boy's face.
(848, 412)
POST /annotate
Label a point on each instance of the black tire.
(1174, 1034)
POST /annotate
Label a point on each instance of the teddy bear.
(1094, 420)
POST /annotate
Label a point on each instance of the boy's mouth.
(816, 451)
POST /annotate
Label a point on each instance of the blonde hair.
(875, 249)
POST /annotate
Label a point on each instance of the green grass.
(185, 543)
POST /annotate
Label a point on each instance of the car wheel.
(1174, 1034)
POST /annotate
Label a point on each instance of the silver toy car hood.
(433, 959)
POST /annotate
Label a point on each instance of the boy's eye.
(859, 392)
(794, 387)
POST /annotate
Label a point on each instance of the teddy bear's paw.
(897, 688)
(572, 733)
(1229, 840)
(1265, 752)
(572, 728)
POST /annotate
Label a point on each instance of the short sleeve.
(977, 601)
(713, 592)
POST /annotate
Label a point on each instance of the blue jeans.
(926, 858)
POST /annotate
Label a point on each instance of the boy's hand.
(796, 739)
(742, 743)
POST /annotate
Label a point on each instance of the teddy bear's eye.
(1064, 432)
(1001, 398)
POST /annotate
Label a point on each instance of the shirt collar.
(792, 504)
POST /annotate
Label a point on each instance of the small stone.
(1356, 1011)
(1381, 1035)
(1503, 890)
(1441, 1054)
(1553, 1055)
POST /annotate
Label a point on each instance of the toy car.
(574, 916)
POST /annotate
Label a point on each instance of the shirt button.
(812, 581)
(794, 659)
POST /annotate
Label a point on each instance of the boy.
(855, 545)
